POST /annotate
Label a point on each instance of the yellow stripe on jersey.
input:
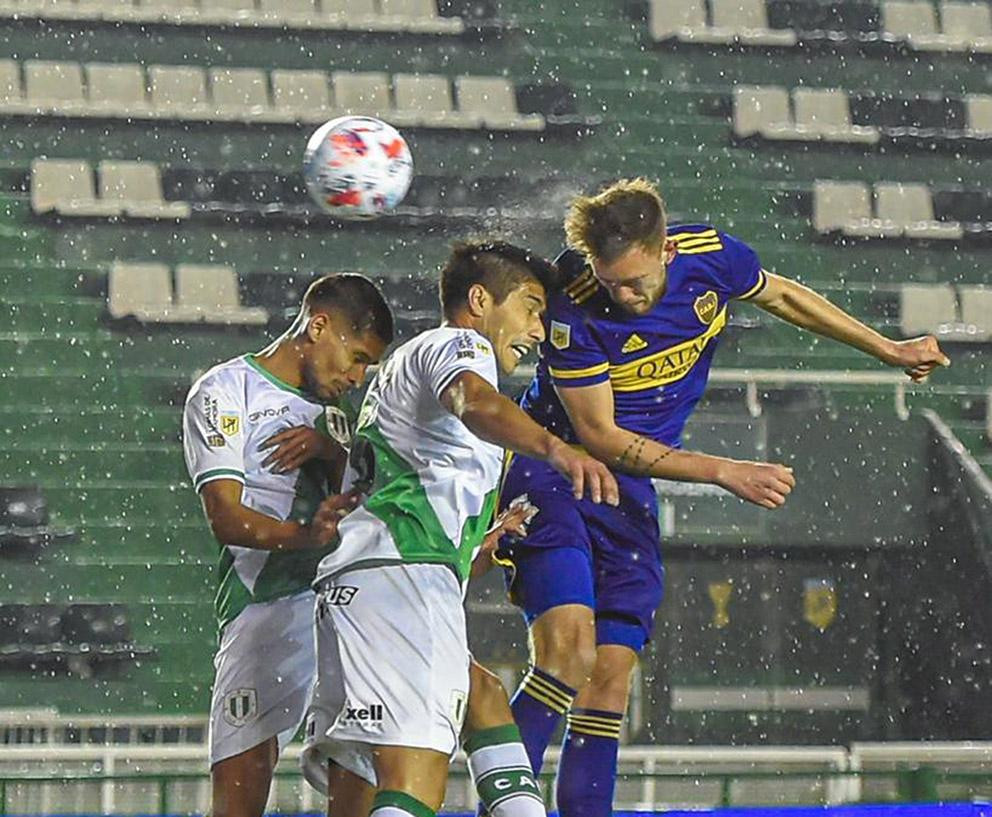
(668, 365)
(585, 296)
(694, 243)
(762, 280)
(702, 249)
(585, 292)
(711, 233)
(589, 371)
(580, 282)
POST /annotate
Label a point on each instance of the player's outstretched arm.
(801, 306)
(498, 420)
(235, 524)
(590, 410)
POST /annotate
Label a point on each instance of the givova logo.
(240, 706)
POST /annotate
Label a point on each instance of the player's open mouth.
(519, 349)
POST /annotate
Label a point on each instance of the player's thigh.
(392, 669)
(488, 704)
(347, 793)
(240, 784)
(628, 573)
(264, 668)
(551, 566)
(420, 773)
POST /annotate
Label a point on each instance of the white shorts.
(392, 667)
(264, 669)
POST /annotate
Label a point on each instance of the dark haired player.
(392, 654)
(251, 429)
(629, 347)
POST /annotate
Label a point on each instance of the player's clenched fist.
(763, 483)
(323, 528)
(918, 357)
(588, 475)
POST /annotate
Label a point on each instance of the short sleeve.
(745, 277)
(572, 353)
(213, 433)
(466, 351)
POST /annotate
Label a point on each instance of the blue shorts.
(578, 552)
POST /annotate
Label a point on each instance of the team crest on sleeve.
(561, 334)
(706, 306)
(337, 425)
(230, 424)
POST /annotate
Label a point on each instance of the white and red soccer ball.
(357, 167)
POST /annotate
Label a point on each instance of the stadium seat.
(494, 100)
(103, 9)
(845, 208)
(141, 291)
(684, 21)
(137, 187)
(748, 20)
(211, 292)
(11, 95)
(54, 87)
(979, 112)
(365, 92)
(302, 95)
(827, 113)
(239, 93)
(291, 13)
(425, 99)
(764, 110)
(915, 23)
(24, 521)
(971, 22)
(976, 311)
(117, 89)
(419, 16)
(229, 12)
(360, 15)
(179, 91)
(170, 11)
(66, 187)
(910, 207)
(926, 308)
(92, 624)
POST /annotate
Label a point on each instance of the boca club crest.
(706, 306)
(819, 602)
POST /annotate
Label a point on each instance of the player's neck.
(284, 360)
(462, 320)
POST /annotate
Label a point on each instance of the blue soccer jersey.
(657, 363)
(607, 558)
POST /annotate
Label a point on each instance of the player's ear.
(477, 300)
(317, 326)
(668, 251)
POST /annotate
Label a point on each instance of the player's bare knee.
(569, 655)
(488, 704)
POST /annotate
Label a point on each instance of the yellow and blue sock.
(587, 771)
(538, 706)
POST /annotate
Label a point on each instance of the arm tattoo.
(631, 457)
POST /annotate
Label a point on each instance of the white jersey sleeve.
(466, 351)
(214, 430)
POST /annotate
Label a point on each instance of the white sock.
(501, 771)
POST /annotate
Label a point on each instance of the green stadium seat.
(971, 22)
(302, 95)
(494, 100)
(65, 187)
(137, 187)
(117, 89)
(54, 87)
(914, 22)
(425, 99)
(179, 91)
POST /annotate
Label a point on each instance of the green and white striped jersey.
(432, 481)
(230, 411)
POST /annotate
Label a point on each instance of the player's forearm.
(807, 309)
(634, 454)
(498, 420)
(244, 527)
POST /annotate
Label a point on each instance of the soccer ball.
(357, 167)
